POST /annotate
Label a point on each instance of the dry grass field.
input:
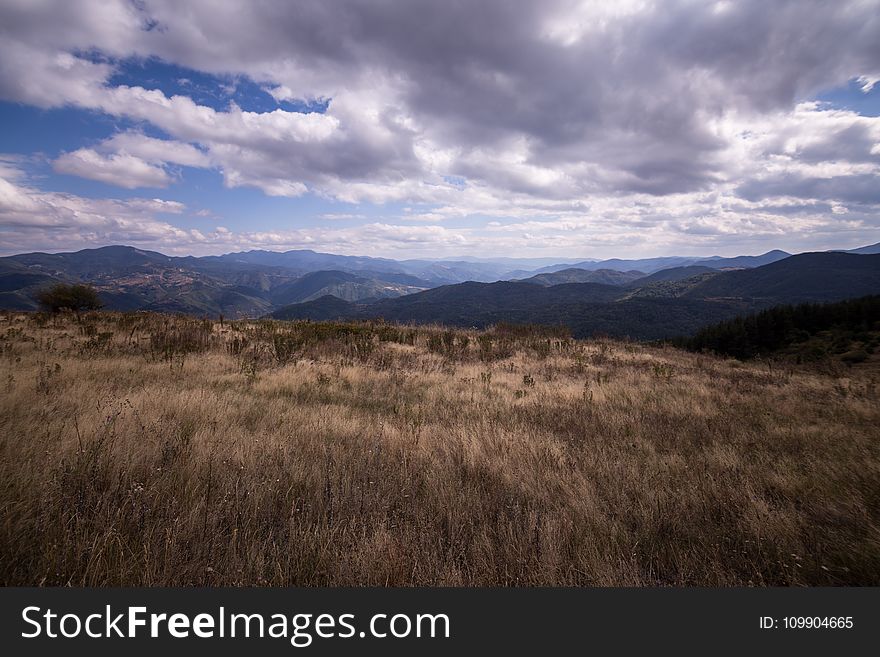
(153, 450)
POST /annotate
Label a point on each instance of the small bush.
(854, 356)
(69, 297)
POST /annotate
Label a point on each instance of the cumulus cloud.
(31, 219)
(115, 169)
(157, 150)
(130, 160)
(570, 119)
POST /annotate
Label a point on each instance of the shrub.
(69, 297)
(285, 347)
(854, 356)
(435, 344)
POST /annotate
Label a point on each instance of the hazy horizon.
(462, 257)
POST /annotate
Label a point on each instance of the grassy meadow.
(142, 449)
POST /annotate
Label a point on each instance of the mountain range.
(640, 298)
(651, 307)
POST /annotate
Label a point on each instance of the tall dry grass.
(152, 450)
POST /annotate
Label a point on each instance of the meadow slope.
(157, 450)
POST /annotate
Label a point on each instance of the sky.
(425, 128)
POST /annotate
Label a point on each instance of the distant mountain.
(647, 265)
(340, 284)
(672, 287)
(604, 276)
(512, 263)
(743, 261)
(434, 272)
(610, 295)
(441, 272)
(205, 299)
(867, 250)
(651, 265)
(19, 284)
(132, 279)
(826, 276)
(324, 309)
(91, 263)
(664, 306)
(673, 274)
(305, 261)
(477, 304)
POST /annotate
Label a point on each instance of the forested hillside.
(849, 329)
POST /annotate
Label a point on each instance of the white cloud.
(867, 82)
(131, 160)
(47, 78)
(121, 170)
(580, 124)
(31, 219)
(338, 216)
(157, 150)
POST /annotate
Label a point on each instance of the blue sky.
(565, 129)
(41, 135)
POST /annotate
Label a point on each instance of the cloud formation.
(578, 124)
(131, 160)
(49, 221)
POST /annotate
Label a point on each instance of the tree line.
(783, 326)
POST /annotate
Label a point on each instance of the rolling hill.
(846, 330)
(663, 307)
(611, 296)
(826, 276)
(866, 250)
(432, 272)
(673, 274)
(340, 284)
(744, 261)
(604, 276)
(324, 309)
(246, 285)
(651, 265)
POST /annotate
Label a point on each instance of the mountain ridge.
(589, 308)
(257, 282)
